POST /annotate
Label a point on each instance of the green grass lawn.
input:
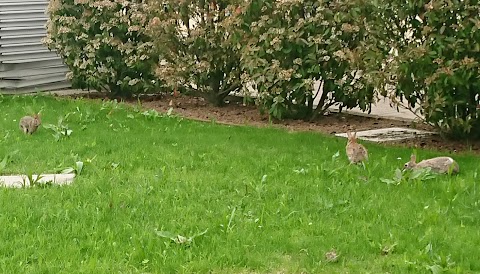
(270, 201)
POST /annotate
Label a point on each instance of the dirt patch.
(236, 113)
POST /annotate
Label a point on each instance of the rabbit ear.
(349, 134)
(413, 158)
(354, 135)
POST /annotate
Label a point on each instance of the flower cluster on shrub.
(194, 39)
(436, 67)
(294, 43)
(105, 44)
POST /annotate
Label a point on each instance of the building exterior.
(26, 65)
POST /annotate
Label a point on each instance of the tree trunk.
(213, 96)
(117, 92)
(320, 109)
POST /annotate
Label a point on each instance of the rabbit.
(356, 152)
(437, 164)
(29, 124)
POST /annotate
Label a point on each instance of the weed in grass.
(230, 220)
(388, 249)
(7, 159)
(417, 175)
(85, 117)
(332, 256)
(151, 113)
(29, 180)
(170, 112)
(110, 106)
(61, 129)
(179, 239)
(76, 168)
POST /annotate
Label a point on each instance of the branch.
(234, 86)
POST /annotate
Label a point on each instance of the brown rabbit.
(29, 124)
(437, 164)
(355, 152)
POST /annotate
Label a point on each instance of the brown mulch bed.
(236, 113)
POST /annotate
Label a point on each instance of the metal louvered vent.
(27, 65)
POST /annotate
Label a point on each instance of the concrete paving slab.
(382, 109)
(18, 181)
(388, 134)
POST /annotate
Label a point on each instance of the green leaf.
(68, 170)
(199, 234)
(436, 269)
(388, 181)
(335, 155)
(442, 29)
(49, 126)
(3, 164)
(398, 175)
(5, 159)
(78, 167)
(179, 239)
(166, 234)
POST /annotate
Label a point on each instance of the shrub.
(294, 43)
(104, 43)
(194, 38)
(437, 66)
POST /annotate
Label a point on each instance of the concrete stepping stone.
(389, 134)
(19, 180)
